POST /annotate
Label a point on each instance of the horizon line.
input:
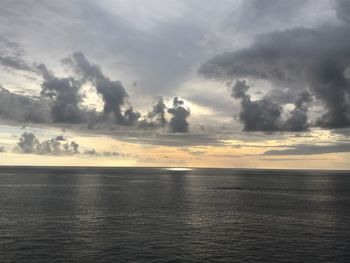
(167, 167)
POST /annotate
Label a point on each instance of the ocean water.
(159, 215)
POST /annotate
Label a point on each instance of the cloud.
(2, 149)
(74, 147)
(282, 95)
(307, 149)
(158, 111)
(110, 154)
(14, 63)
(265, 115)
(23, 109)
(64, 96)
(297, 121)
(171, 139)
(11, 56)
(93, 152)
(155, 117)
(297, 58)
(178, 121)
(16, 109)
(113, 92)
(28, 143)
(158, 50)
(342, 8)
(158, 54)
(261, 115)
(60, 138)
(256, 16)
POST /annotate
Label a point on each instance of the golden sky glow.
(231, 154)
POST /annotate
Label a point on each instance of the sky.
(186, 83)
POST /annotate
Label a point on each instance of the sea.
(53, 214)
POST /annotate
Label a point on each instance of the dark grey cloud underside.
(178, 121)
(265, 114)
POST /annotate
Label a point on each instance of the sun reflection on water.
(178, 169)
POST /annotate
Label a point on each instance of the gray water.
(155, 215)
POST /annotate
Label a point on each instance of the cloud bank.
(28, 143)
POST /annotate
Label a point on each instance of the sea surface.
(162, 215)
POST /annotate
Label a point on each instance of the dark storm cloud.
(299, 58)
(178, 121)
(307, 149)
(113, 92)
(260, 115)
(64, 95)
(265, 114)
(29, 143)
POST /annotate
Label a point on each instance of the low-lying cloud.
(28, 143)
(309, 149)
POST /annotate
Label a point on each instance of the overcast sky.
(240, 83)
